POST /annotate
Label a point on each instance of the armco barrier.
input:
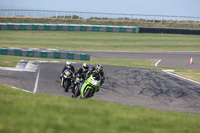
(169, 31)
(43, 54)
(70, 55)
(24, 52)
(95, 28)
(57, 55)
(17, 52)
(4, 51)
(63, 55)
(68, 27)
(10, 51)
(30, 53)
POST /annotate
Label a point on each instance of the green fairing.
(87, 85)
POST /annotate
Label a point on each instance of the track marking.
(169, 72)
(16, 69)
(37, 79)
(133, 51)
(41, 61)
(52, 49)
(20, 89)
(158, 62)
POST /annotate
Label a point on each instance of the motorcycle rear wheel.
(66, 85)
(77, 91)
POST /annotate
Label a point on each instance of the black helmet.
(85, 66)
(99, 67)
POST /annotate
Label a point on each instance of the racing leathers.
(93, 71)
(65, 67)
(81, 72)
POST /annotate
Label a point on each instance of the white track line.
(134, 51)
(37, 78)
(158, 62)
(20, 89)
(181, 77)
(16, 69)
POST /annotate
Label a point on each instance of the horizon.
(143, 7)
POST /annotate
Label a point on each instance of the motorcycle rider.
(98, 70)
(80, 73)
(97, 74)
(68, 65)
(84, 69)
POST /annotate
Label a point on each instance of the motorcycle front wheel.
(87, 93)
(66, 85)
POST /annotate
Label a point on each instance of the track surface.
(132, 86)
(168, 59)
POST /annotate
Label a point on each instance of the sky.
(147, 7)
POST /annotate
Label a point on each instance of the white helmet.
(85, 66)
(68, 64)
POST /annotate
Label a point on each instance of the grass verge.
(99, 41)
(23, 112)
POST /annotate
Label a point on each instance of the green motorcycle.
(90, 86)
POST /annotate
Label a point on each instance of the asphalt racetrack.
(167, 59)
(132, 86)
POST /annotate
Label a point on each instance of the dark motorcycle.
(76, 85)
(67, 76)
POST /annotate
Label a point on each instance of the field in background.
(142, 23)
(99, 41)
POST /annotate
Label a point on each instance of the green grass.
(115, 23)
(9, 61)
(23, 112)
(99, 41)
(188, 73)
